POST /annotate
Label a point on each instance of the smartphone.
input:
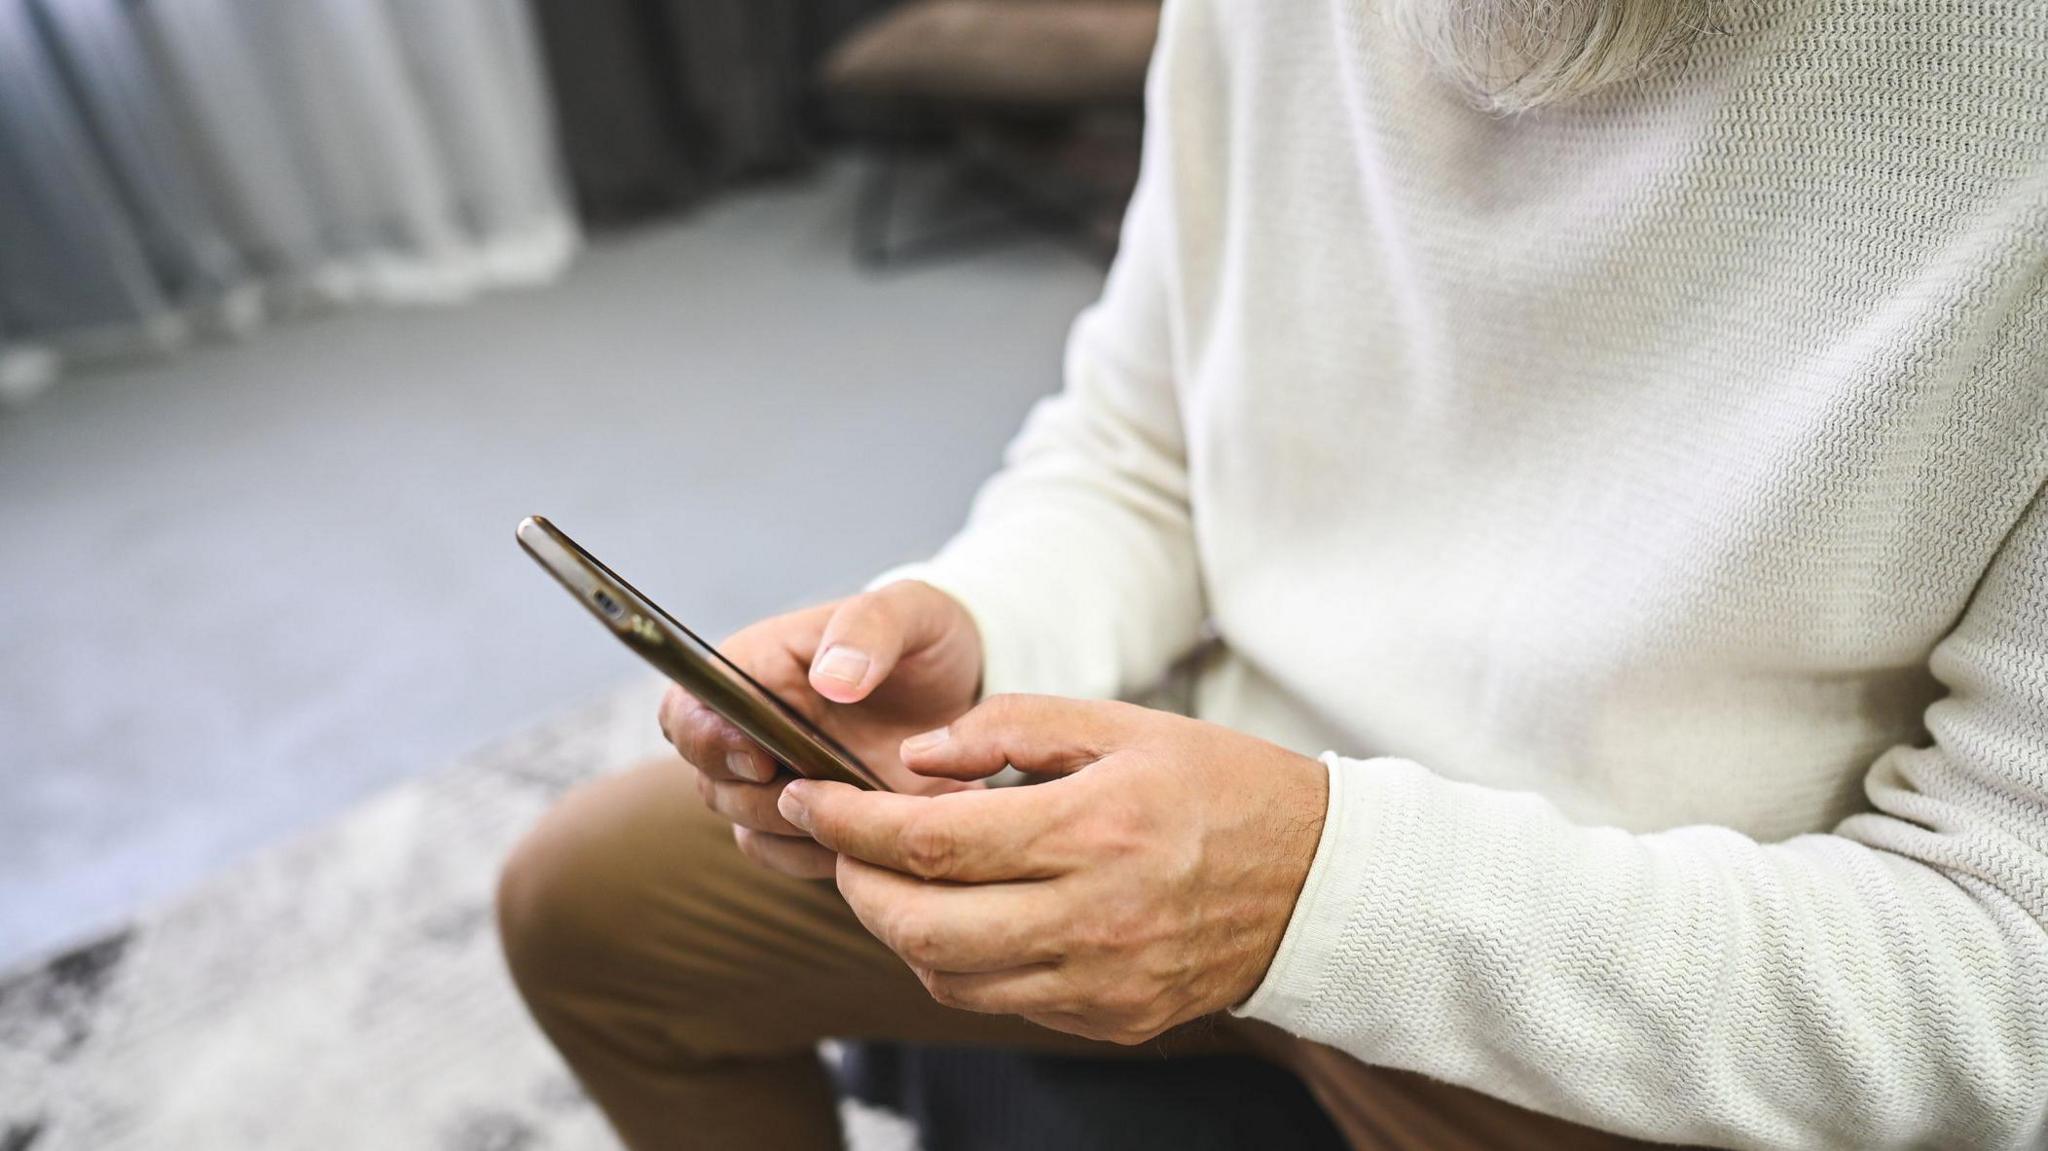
(677, 653)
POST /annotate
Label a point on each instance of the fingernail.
(842, 663)
(746, 766)
(791, 805)
(927, 741)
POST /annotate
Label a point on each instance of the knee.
(616, 918)
(615, 891)
(567, 899)
(536, 911)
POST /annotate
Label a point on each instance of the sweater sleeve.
(1078, 560)
(1884, 985)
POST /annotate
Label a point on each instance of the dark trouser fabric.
(688, 989)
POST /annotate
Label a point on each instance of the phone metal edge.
(583, 575)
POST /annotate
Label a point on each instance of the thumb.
(869, 633)
(1036, 734)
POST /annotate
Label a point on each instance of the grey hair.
(1514, 55)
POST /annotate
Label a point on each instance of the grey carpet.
(340, 991)
(246, 588)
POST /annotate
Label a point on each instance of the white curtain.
(175, 168)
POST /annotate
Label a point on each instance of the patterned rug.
(341, 991)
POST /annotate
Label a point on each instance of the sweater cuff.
(1351, 861)
(1311, 934)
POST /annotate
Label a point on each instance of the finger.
(976, 927)
(979, 836)
(1039, 734)
(725, 752)
(678, 709)
(868, 633)
(798, 857)
(1034, 989)
(749, 805)
(715, 747)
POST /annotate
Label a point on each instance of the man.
(1628, 481)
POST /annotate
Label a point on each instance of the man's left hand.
(1148, 886)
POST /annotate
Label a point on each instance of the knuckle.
(930, 848)
(916, 939)
(1137, 926)
(1002, 708)
(1119, 827)
(704, 735)
(1100, 937)
(875, 608)
(715, 797)
(684, 735)
(993, 719)
(766, 851)
(704, 727)
(735, 802)
(902, 591)
(1123, 1001)
(732, 804)
(746, 841)
(900, 601)
(863, 613)
(1110, 931)
(943, 989)
(918, 943)
(669, 716)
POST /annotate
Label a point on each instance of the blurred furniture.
(1034, 103)
(660, 102)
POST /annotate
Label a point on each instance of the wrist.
(1301, 809)
(1305, 816)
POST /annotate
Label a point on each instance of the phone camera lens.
(606, 604)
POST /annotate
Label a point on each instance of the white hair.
(1513, 55)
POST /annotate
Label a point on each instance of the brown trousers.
(688, 988)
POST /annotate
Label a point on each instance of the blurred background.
(303, 305)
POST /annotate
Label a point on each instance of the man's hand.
(1149, 886)
(870, 670)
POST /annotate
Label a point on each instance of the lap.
(631, 905)
(631, 891)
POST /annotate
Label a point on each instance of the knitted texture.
(1640, 500)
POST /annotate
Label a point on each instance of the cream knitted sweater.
(1640, 503)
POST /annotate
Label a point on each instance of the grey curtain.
(662, 101)
(171, 167)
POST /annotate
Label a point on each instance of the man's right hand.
(872, 670)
